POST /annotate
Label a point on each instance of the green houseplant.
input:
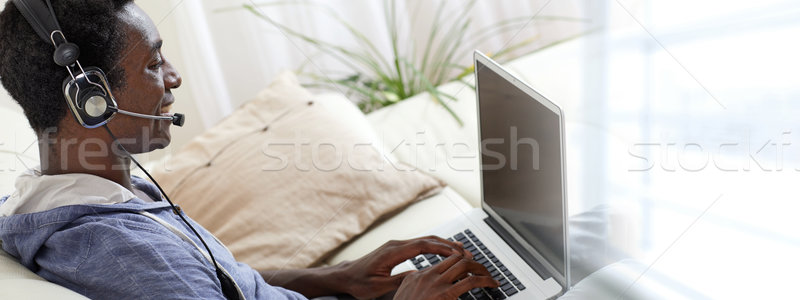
(377, 81)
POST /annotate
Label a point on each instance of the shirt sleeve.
(126, 259)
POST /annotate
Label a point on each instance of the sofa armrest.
(17, 282)
(33, 289)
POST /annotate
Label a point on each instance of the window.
(696, 119)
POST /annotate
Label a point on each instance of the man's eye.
(157, 65)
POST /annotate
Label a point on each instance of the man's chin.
(158, 147)
(161, 141)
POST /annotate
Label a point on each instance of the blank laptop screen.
(521, 163)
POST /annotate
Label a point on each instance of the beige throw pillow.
(287, 178)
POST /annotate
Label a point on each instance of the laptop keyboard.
(509, 284)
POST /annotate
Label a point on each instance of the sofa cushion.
(288, 177)
(412, 222)
(422, 133)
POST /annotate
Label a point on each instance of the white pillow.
(289, 177)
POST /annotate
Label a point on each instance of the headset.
(86, 90)
(91, 102)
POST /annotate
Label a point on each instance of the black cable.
(228, 286)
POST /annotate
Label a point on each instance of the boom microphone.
(177, 119)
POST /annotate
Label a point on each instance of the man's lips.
(166, 105)
(165, 109)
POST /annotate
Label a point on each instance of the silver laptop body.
(520, 232)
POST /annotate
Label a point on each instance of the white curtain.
(211, 89)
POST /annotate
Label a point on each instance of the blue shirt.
(111, 251)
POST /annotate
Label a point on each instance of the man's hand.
(439, 282)
(370, 276)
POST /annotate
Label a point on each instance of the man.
(83, 222)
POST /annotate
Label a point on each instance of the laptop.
(520, 231)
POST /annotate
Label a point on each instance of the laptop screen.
(521, 163)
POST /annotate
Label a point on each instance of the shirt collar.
(35, 192)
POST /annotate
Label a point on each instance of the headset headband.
(43, 20)
(41, 17)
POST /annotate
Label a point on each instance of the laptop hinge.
(529, 259)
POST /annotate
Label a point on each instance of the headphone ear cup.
(89, 98)
(94, 103)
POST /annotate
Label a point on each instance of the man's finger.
(398, 278)
(462, 269)
(412, 248)
(446, 264)
(454, 244)
(472, 282)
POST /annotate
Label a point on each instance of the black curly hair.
(27, 70)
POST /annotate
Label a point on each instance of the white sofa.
(419, 120)
(417, 131)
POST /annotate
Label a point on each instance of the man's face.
(149, 78)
